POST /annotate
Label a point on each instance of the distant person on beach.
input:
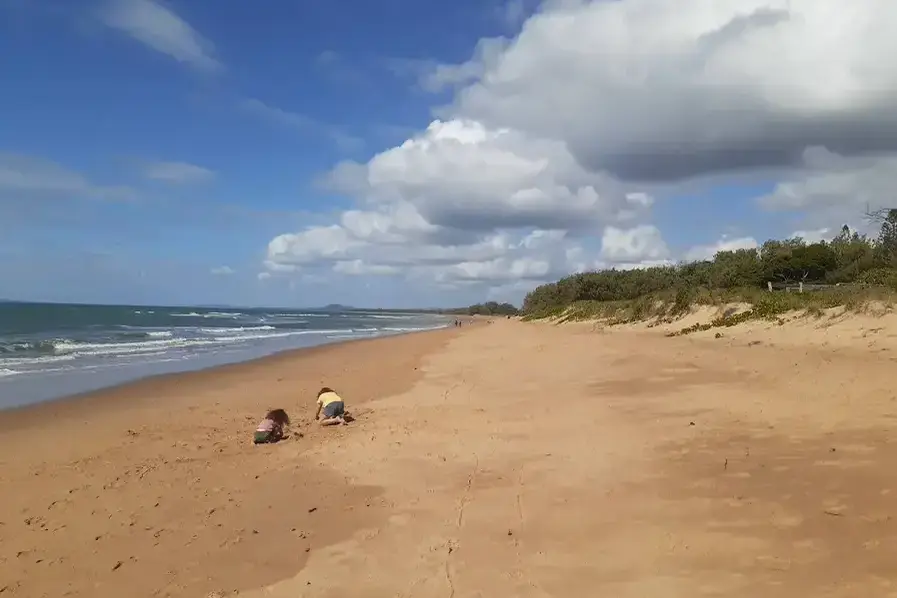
(272, 428)
(331, 408)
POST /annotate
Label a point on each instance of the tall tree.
(886, 246)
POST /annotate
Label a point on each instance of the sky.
(425, 153)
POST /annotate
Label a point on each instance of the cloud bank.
(558, 142)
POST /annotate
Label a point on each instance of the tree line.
(850, 257)
(490, 308)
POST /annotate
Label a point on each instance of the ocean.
(49, 351)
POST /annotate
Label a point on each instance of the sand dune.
(519, 460)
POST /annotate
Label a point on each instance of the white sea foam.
(235, 329)
(152, 332)
(388, 317)
(245, 337)
(8, 372)
(211, 314)
(280, 320)
(83, 349)
(417, 329)
(20, 361)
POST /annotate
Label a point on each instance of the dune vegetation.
(852, 271)
(490, 308)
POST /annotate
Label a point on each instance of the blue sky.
(183, 151)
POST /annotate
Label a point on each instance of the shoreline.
(155, 488)
(32, 412)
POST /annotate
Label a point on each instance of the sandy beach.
(503, 459)
(154, 489)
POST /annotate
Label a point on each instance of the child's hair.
(323, 390)
(278, 416)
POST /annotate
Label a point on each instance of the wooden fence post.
(769, 286)
(800, 289)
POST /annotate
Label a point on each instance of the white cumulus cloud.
(639, 244)
(829, 181)
(462, 204)
(706, 252)
(459, 174)
(661, 90)
(813, 236)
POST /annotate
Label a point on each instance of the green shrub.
(885, 277)
(865, 270)
(683, 301)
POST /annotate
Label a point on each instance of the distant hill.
(336, 307)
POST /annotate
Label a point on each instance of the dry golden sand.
(522, 460)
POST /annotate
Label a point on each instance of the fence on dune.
(809, 287)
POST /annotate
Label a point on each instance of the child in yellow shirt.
(331, 409)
